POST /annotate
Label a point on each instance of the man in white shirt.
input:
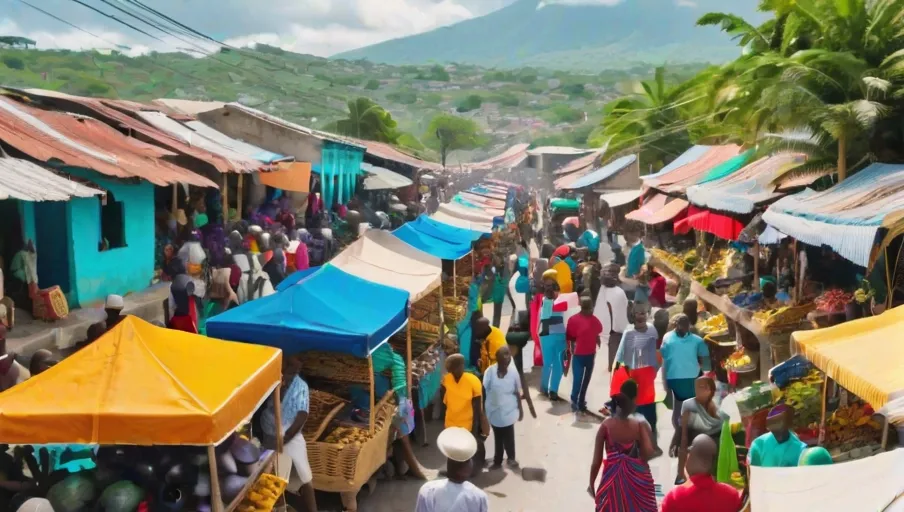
(455, 493)
(612, 309)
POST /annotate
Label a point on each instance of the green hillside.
(573, 37)
(523, 105)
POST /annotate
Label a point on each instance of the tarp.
(716, 162)
(296, 277)
(383, 179)
(864, 355)
(723, 226)
(456, 222)
(140, 385)
(381, 257)
(848, 216)
(600, 174)
(291, 176)
(865, 484)
(464, 213)
(437, 239)
(691, 155)
(331, 310)
(621, 197)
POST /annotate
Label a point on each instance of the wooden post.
(455, 281)
(216, 498)
(239, 195)
(277, 412)
(796, 294)
(224, 195)
(885, 436)
(756, 265)
(408, 358)
(175, 205)
(824, 404)
(373, 391)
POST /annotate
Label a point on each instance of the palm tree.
(368, 120)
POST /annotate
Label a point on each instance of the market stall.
(349, 319)
(142, 385)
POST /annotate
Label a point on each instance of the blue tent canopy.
(603, 173)
(330, 310)
(296, 277)
(431, 245)
(443, 231)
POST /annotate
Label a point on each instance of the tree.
(372, 84)
(368, 120)
(469, 103)
(447, 133)
(13, 62)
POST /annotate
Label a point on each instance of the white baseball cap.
(457, 443)
(113, 302)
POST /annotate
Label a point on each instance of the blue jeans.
(582, 370)
(553, 348)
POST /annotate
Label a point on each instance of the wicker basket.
(345, 468)
(322, 409)
(334, 366)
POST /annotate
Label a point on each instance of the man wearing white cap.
(455, 493)
(113, 307)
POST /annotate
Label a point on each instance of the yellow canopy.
(864, 356)
(141, 385)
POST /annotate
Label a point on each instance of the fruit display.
(454, 310)
(673, 263)
(348, 436)
(805, 397)
(263, 494)
(715, 323)
(426, 309)
(852, 427)
(738, 361)
(705, 273)
(833, 301)
(335, 366)
(786, 315)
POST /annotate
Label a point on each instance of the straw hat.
(457, 444)
(36, 505)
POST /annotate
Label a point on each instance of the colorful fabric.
(767, 452)
(295, 399)
(627, 484)
(563, 277)
(459, 400)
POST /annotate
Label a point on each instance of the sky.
(318, 27)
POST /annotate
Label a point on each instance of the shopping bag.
(618, 378)
(728, 456)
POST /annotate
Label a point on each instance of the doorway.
(52, 244)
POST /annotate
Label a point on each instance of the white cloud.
(546, 3)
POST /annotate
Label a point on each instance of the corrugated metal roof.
(383, 179)
(557, 150)
(25, 181)
(508, 159)
(391, 153)
(690, 173)
(121, 114)
(846, 217)
(741, 191)
(187, 135)
(239, 146)
(692, 154)
(621, 197)
(293, 126)
(86, 142)
(599, 174)
(658, 209)
(585, 163)
(188, 107)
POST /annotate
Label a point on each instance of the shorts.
(297, 450)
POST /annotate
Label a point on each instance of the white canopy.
(483, 227)
(383, 179)
(380, 257)
(616, 198)
(871, 483)
(465, 213)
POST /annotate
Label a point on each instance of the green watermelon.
(71, 494)
(123, 496)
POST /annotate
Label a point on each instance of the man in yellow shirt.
(462, 394)
(492, 340)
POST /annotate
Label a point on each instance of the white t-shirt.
(446, 496)
(616, 298)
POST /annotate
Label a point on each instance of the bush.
(372, 84)
(13, 62)
(403, 97)
(469, 103)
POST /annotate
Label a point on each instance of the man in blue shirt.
(684, 355)
(637, 256)
(591, 240)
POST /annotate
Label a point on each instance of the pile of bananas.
(762, 316)
(716, 323)
(853, 426)
(263, 494)
(348, 436)
(674, 263)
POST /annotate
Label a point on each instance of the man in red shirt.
(702, 492)
(583, 336)
(657, 285)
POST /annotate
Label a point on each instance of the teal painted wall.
(95, 274)
(27, 214)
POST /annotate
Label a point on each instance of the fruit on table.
(737, 360)
(852, 426)
(714, 323)
(346, 436)
(263, 494)
(833, 300)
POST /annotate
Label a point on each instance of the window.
(112, 223)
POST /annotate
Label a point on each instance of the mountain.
(577, 37)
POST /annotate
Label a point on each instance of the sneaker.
(554, 397)
(513, 464)
(495, 466)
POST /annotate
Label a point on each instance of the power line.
(102, 13)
